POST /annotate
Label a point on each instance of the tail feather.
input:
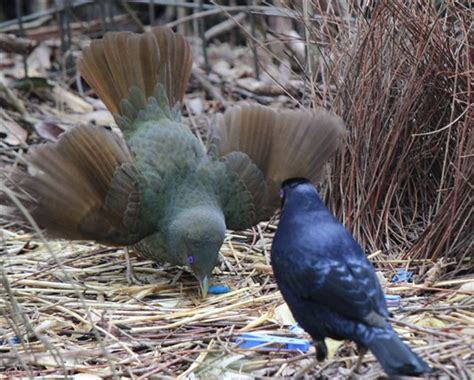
(121, 61)
(396, 357)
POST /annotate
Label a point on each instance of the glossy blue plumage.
(329, 284)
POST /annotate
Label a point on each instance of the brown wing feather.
(281, 143)
(122, 60)
(81, 186)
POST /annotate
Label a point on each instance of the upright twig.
(19, 14)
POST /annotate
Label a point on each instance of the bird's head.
(196, 235)
(299, 192)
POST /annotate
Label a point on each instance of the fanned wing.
(84, 186)
(273, 145)
(122, 60)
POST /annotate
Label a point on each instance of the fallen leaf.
(230, 367)
(283, 315)
(72, 101)
(86, 376)
(195, 106)
(8, 97)
(48, 130)
(467, 287)
(12, 133)
(333, 346)
(260, 87)
(426, 320)
(39, 61)
(223, 69)
(99, 117)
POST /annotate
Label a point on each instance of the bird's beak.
(204, 285)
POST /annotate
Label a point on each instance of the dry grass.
(73, 311)
(401, 79)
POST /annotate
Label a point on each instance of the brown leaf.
(12, 133)
(48, 130)
(72, 101)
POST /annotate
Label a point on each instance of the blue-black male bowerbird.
(329, 284)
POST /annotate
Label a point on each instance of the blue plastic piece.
(296, 329)
(402, 275)
(218, 289)
(272, 342)
(393, 300)
(10, 341)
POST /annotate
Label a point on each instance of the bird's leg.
(321, 350)
(362, 351)
(176, 277)
(302, 372)
(321, 354)
(130, 275)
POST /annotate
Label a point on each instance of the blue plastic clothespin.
(393, 300)
(402, 275)
(272, 342)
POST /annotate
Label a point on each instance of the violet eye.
(282, 193)
(190, 259)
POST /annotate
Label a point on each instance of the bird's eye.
(282, 193)
(190, 259)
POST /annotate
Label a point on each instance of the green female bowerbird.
(156, 188)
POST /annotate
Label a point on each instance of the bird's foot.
(321, 354)
(302, 372)
(354, 374)
(176, 277)
(132, 279)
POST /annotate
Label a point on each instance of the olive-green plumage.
(157, 188)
